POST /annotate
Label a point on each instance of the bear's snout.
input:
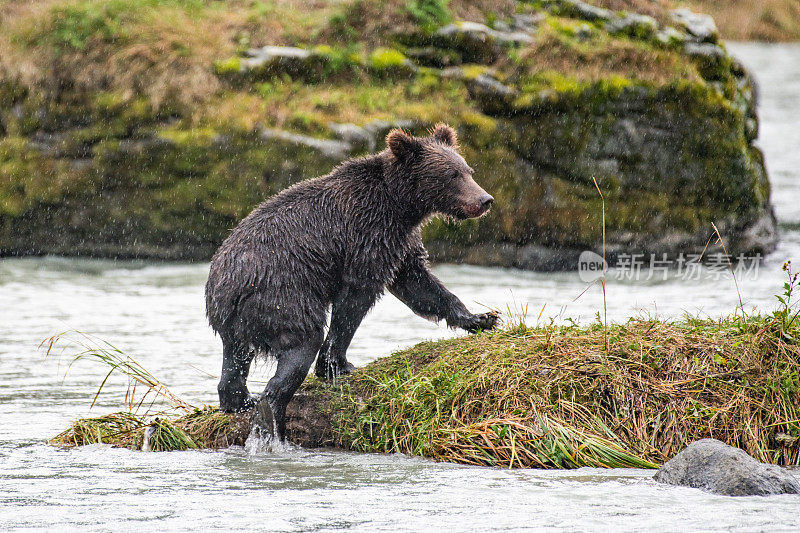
(479, 207)
(474, 201)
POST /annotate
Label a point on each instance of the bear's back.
(289, 254)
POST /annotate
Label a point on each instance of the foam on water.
(262, 441)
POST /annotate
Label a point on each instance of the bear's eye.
(454, 175)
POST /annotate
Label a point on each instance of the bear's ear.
(445, 134)
(402, 144)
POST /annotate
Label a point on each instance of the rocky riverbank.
(148, 131)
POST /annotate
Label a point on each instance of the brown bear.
(336, 242)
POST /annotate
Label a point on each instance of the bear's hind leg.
(348, 310)
(232, 388)
(294, 362)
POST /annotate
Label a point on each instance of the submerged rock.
(713, 466)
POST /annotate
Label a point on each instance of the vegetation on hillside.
(133, 128)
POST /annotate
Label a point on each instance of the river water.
(155, 313)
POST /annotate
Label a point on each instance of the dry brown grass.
(168, 47)
(753, 20)
(171, 46)
(165, 52)
(738, 20)
(602, 57)
(376, 21)
(477, 10)
(198, 429)
(174, 424)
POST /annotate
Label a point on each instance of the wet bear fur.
(336, 242)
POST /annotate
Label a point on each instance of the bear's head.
(435, 176)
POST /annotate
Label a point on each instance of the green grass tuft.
(429, 14)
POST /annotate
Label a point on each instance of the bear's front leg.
(349, 308)
(417, 287)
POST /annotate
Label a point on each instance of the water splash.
(261, 441)
(148, 434)
(263, 438)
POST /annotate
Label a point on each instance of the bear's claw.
(348, 368)
(482, 322)
(328, 371)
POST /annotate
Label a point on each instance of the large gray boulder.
(713, 466)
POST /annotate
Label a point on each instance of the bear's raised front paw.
(482, 322)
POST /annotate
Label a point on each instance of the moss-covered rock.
(547, 100)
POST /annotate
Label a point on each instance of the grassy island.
(551, 396)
